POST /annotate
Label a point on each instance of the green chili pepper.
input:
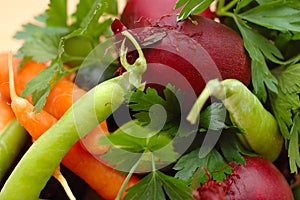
(12, 140)
(261, 132)
(44, 156)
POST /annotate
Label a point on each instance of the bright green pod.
(12, 141)
(260, 129)
(37, 165)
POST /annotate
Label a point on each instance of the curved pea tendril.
(40, 161)
(137, 69)
(261, 132)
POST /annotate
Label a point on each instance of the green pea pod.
(44, 156)
(261, 132)
(12, 140)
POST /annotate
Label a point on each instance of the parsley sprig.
(196, 169)
(286, 105)
(46, 39)
(270, 30)
(149, 143)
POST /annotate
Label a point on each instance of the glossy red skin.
(149, 11)
(219, 46)
(258, 179)
(223, 44)
(174, 59)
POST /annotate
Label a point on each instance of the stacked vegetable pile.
(186, 99)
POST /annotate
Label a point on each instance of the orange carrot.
(35, 123)
(59, 100)
(4, 86)
(103, 179)
(61, 97)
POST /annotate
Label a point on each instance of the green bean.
(43, 157)
(261, 132)
(12, 140)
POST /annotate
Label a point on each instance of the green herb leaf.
(260, 48)
(132, 140)
(277, 15)
(57, 13)
(46, 42)
(232, 149)
(148, 105)
(213, 163)
(83, 7)
(286, 100)
(156, 184)
(285, 105)
(41, 85)
(149, 188)
(213, 117)
(180, 3)
(42, 48)
(242, 4)
(191, 7)
(293, 145)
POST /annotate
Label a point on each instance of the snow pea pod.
(44, 156)
(261, 132)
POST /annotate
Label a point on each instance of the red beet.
(193, 49)
(175, 59)
(258, 179)
(149, 11)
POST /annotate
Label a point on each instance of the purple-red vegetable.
(258, 179)
(140, 13)
(199, 49)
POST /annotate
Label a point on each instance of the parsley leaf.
(259, 48)
(213, 117)
(57, 13)
(196, 169)
(191, 7)
(41, 85)
(156, 184)
(287, 99)
(231, 148)
(277, 15)
(133, 141)
(147, 106)
(293, 146)
(191, 163)
(285, 105)
(134, 146)
(46, 41)
(143, 101)
(42, 48)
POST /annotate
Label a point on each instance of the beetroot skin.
(258, 179)
(194, 49)
(149, 11)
